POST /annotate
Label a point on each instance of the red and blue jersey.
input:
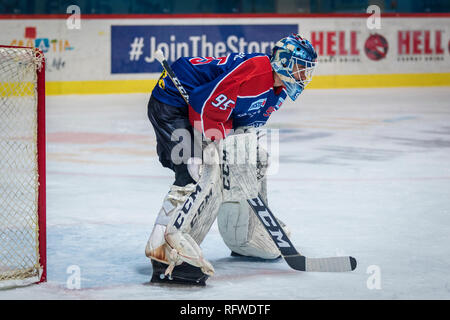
(224, 93)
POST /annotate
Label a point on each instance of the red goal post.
(22, 167)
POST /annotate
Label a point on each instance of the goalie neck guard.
(294, 59)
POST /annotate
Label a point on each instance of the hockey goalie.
(214, 147)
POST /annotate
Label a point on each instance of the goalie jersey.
(225, 93)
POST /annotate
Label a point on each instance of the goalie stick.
(294, 259)
(290, 254)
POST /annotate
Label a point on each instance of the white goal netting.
(19, 176)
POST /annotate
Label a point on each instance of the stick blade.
(332, 264)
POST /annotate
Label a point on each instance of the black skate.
(183, 274)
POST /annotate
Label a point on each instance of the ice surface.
(362, 172)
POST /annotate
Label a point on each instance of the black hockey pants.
(165, 120)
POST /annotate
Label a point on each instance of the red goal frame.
(41, 165)
(42, 169)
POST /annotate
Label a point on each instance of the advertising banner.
(399, 45)
(191, 40)
(105, 55)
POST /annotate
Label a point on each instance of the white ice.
(362, 172)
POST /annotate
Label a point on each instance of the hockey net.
(22, 166)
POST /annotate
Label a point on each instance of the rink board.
(114, 54)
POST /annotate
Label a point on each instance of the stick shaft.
(160, 57)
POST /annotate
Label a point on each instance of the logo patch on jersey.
(161, 82)
(257, 124)
(279, 103)
(269, 111)
(257, 104)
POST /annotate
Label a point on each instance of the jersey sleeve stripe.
(254, 96)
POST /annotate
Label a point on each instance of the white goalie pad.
(199, 211)
(172, 202)
(239, 159)
(241, 230)
(186, 218)
(243, 233)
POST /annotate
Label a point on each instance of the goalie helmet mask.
(294, 59)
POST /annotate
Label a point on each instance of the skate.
(184, 273)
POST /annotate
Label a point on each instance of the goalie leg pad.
(171, 248)
(188, 223)
(156, 247)
(239, 227)
(243, 232)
